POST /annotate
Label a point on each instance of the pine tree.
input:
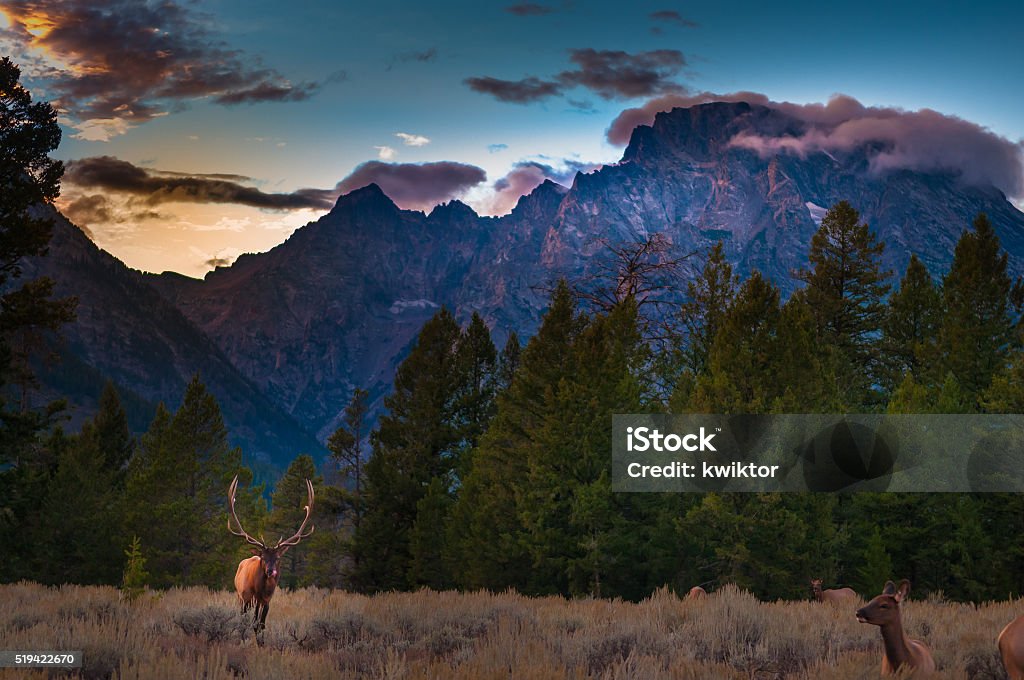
(209, 463)
(508, 363)
(487, 536)
(564, 519)
(176, 490)
(708, 298)
(427, 566)
(416, 441)
(476, 359)
(876, 566)
(976, 333)
(911, 397)
(133, 582)
(346, 447)
(911, 323)
(1005, 394)
(81, 519)
(110, 430)
(845, 289)
(289, 500)
(741, 361)
(30, 180)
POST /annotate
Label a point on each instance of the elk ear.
(903, 591)
(889, 589)
(257, 552)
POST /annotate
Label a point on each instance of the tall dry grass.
(315, 633)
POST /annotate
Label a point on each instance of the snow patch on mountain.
(399, 306)
(817, 212)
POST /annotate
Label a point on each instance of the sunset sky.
(201, 130)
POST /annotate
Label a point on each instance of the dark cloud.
(526, 176)
(215, 262)
(125, 62)
(670, 16)
(923, 140)
(424, 56)
(89, 209)
(515, 91)
(582, 105)
(417, 56)
(610, 74)
(529, 9)
(92, 209)
(415, 186)
(268, 92)
(154, 187)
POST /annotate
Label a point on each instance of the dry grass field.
(313, 633)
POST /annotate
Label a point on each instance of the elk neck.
(894, 641)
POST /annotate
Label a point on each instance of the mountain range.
(283, 337)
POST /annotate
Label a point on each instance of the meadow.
(315, 633)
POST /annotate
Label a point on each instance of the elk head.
(270, 555)
(885, 608)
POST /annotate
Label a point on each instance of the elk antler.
(294, 540)
(241, 532)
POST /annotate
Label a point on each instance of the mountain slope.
(127, 332)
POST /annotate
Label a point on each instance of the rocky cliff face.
(339, 303)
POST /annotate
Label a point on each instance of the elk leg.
(259, 623)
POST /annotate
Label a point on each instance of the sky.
(196, 131)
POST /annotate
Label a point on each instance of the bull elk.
(1011, 648)
(257, 576)
(831, 595)
(899, 650)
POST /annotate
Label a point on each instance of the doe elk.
(831, 595)
(899, 650)
(1011, 648)
(257, 576)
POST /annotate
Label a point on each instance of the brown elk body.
(832, 595)
(1011, 648)
(696, 592)
(257, 576)
(899, 651)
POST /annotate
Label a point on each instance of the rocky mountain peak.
(368, 198)
(454, 210)
(702, 132)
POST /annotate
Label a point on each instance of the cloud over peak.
(923, 140)
(415, 186)
(524, 177)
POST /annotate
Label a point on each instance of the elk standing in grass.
(832, 595)
(257, 576)
(1011, 648)
(899, 650)
(696, 592)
